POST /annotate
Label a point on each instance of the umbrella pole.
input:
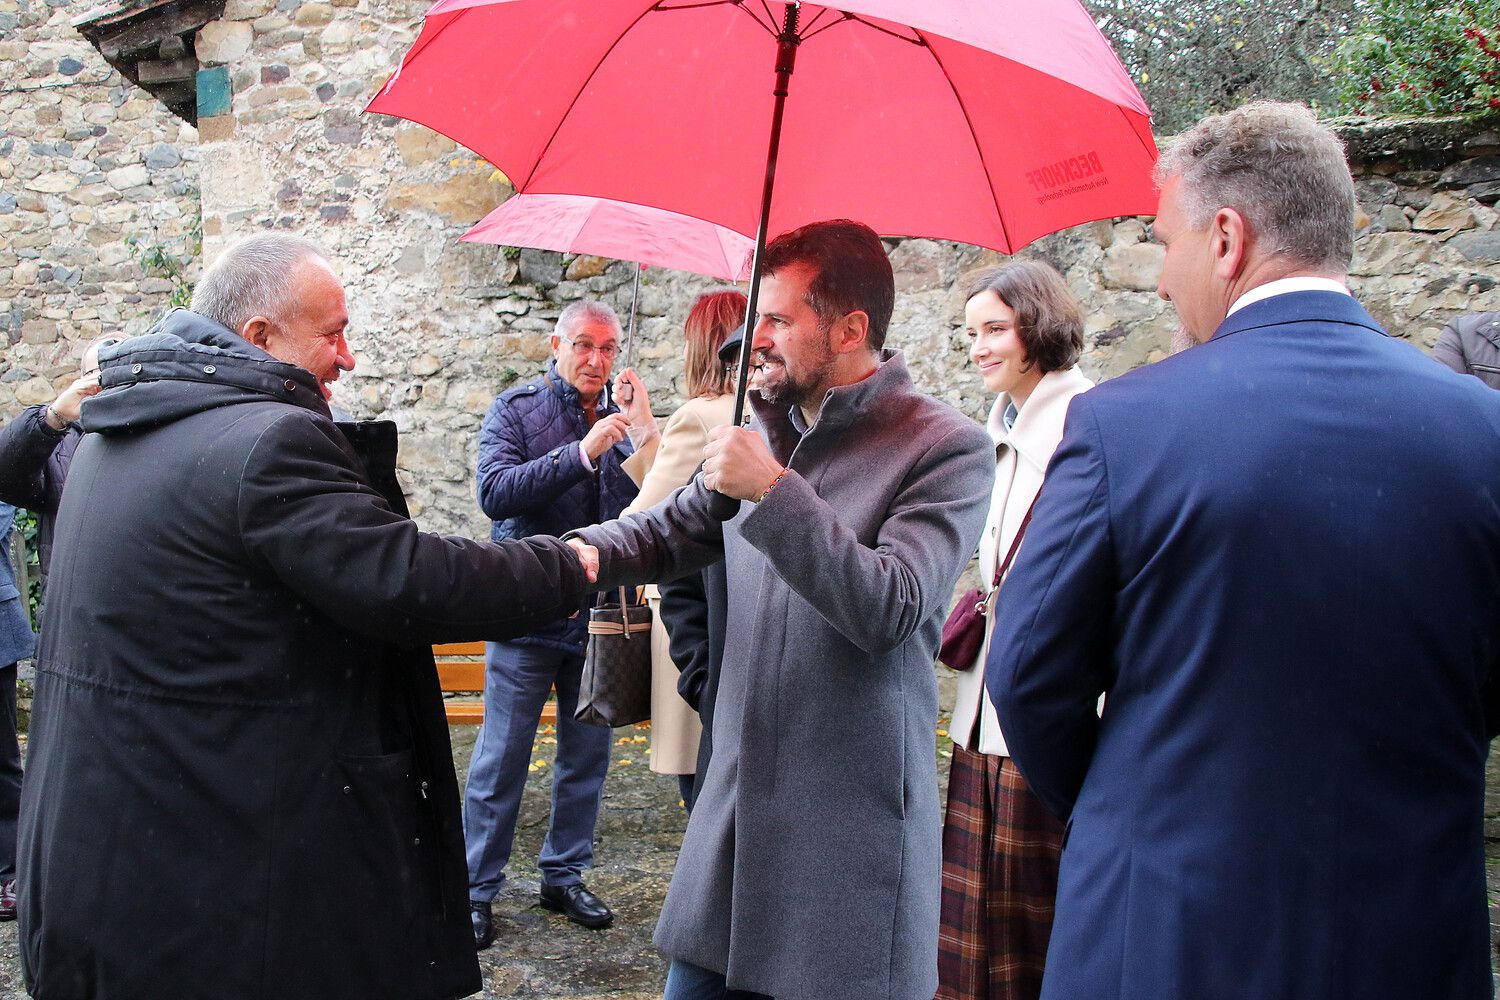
(627, 394)
(635, 298)
(720, 506)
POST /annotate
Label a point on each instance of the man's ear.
(1230, 236)
(257, 330)
(851, 332)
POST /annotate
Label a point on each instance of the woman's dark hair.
(1048, 318)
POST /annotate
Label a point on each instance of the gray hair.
(1285, 173)
(575, 314)
(252, 278)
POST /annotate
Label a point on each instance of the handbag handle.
(623, 627)
(983, 606)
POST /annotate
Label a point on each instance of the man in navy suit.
(1277, 554)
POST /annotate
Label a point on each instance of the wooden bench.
(460, 667)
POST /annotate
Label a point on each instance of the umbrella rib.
(542, 155)
(751, 15)
(919, 40)
(692, 6)
(968, 122)
(714, 3)
(818, 17)
(831, 24)
(769, 16)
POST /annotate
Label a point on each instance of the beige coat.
(659, 467)
(1022, 457)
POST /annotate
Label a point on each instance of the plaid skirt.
(1000, 851)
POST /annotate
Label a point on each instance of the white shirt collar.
(1284, 286)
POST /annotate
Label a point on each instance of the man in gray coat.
(810, 867)
(1470, 345)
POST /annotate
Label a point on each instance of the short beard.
(810, 388)
(1182, 340)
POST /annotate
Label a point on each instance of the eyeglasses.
(583, 351)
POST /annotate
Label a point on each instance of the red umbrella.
(571, 223)
(1026, 124)
(578, 224)
(990, 122)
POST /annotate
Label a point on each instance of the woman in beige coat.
(661, 465)
(1000, 844)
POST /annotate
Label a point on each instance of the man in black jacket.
(36, 447)
(240, 777)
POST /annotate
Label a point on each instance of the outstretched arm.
(306, 515)
(675, 537)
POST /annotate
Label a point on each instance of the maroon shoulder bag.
(963, 632)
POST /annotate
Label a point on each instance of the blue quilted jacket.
(16, 640)
(532, 480)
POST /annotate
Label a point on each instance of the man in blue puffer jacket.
(549, 462)
(16, 643)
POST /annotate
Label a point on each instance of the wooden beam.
(184, 70)
(144, 28)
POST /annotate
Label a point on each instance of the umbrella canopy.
(604, 228)
(990, 122)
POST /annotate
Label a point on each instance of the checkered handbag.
(616, 686)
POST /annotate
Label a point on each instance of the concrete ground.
(540, 954)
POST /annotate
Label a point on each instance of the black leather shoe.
(484, 925)
(8, 899)
(577, 904)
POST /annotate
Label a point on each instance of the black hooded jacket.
(240, 782)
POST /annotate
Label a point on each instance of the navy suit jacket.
(1278, 555)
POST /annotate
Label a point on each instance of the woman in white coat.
(661, 465)
(1000, 844)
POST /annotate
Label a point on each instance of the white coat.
(1022, 454)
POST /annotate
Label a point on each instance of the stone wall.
(440, 326)
(86, 161)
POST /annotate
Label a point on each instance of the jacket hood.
(185, 365)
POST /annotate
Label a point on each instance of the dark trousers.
(10, 772)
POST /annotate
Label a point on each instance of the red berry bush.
(1422, 57)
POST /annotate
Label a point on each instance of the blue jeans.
(517, 680)
(686, 981)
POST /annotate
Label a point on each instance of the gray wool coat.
(810, 868)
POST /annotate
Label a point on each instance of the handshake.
(589, 556)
